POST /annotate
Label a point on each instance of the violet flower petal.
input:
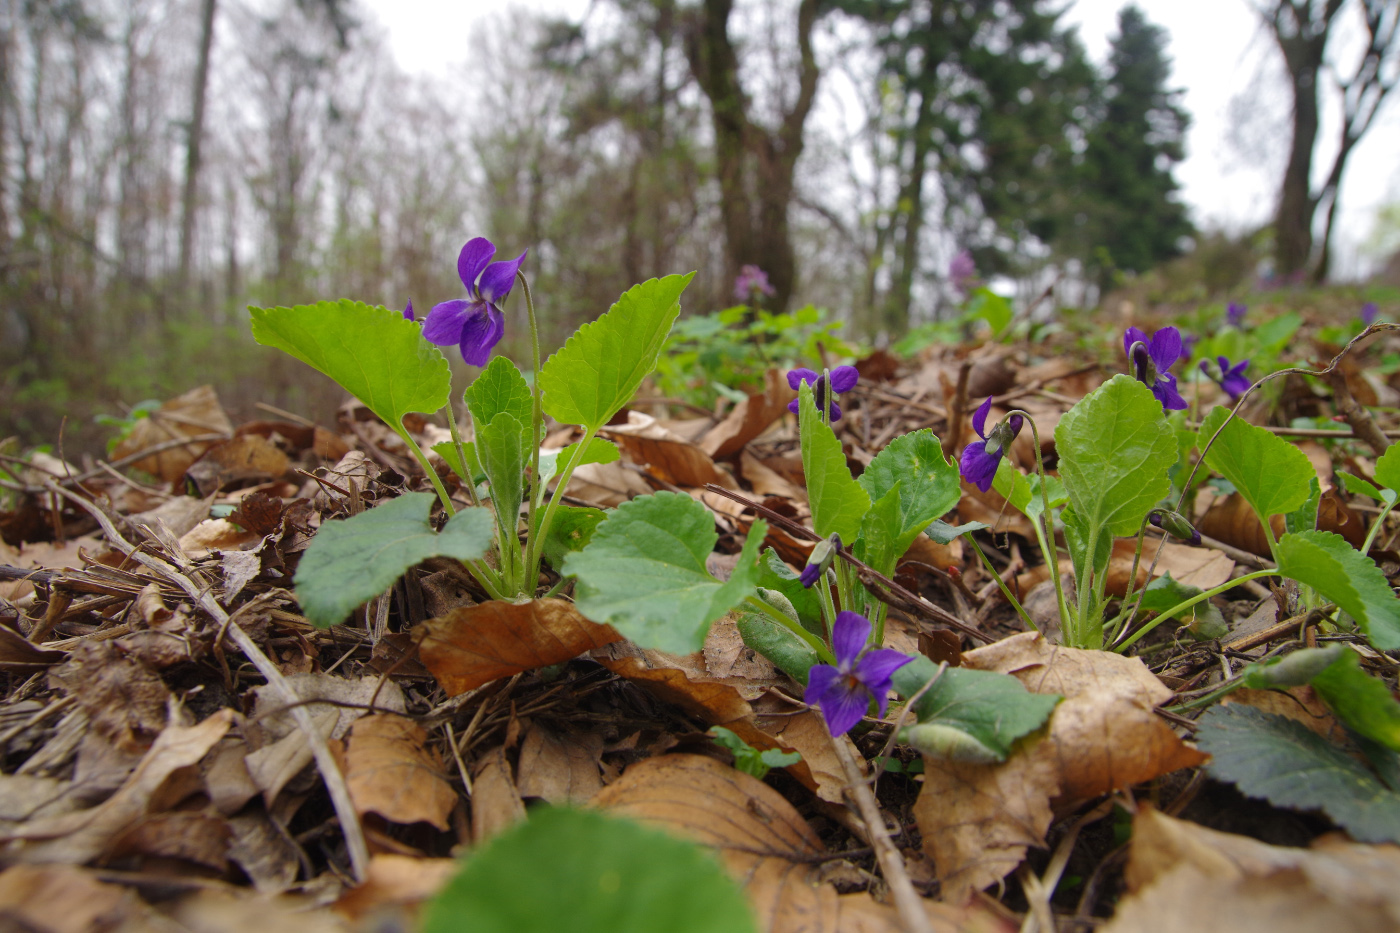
(793, 406)
(444, 323)
(843, 378)
(811, 573)
(835, 411)
(474, 257)
(1165, 348)
(877, 668)
(800, 375)
(979, 418)
(408, 311)
(848, 637)
(499, 278)
(1131, 336)
(844, 705)
(978, 466)
(1166, 393)
(480, 333)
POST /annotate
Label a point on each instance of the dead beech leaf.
(474, 645)
(396, 885)
(559, 767)
(496, 803)
(686, 682)
(81, 836)
(763, 842)
(45, 555)
(1182, 876)
(991, 507)
(666, 456)
(750, 418)
(1105, 734)
(190, 836)
(977, 821)
(214, 910)
(766, 481)
(391, 771)
(196, 412)
(607, 484)
(124, 698)
(30, 895)
(1232, 521)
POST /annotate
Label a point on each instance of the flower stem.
(1188, 603)
(828, 605)
(1376, 526)
(535, 549)
(536, 424)
(467, 485)
(1005, 590)
(1047, 543)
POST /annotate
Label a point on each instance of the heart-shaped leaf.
(1328, 564)
(1269, 472)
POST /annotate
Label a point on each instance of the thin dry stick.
(906, 899)
(325, 761)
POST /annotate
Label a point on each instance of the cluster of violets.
(752, 285)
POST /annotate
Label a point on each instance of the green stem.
(536, 423)
(812, 641)
(468, 485)
(828, 605)
(1124, 617)
(1005, 590)
(537, 535)
(1052, 557)
(447, 505)
(1187, 604)
(1376, 526)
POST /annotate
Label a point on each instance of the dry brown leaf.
(238, 460)
(1181, 876)
(978, 821)
(1104, 733)
(78, 837)
(666, 456)
(124, 698)
(266, 855)
(28, 796)
(474, 645)
(216, 534)
(750, 418)
(273, 766)
(179, 513)
(993, 509)
(762, 840)
(19, 655)
(1298, 703)
(686, 682)
(394, 888)
(190, 836)
(45, 555)
(1232, 521)
(766, 481)
(196, 412)
(607, 484)
(391, 771)
(223, 911)
(63, 899)
(496, 803)
(559, 767)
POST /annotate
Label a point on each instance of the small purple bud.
(1235, 313)
(1369, 312)
(1174, 524)
(408, 311)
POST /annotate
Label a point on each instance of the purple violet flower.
(1234, 314)
(1369, 311)
(1151, 360)
(981, 458)
(844, 692)
(475, 323)
(752, 284)
(962, 271)
(408, 311)
(1232, 378)
(843, 379)
(1188, 345)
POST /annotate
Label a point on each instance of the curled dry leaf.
(190, 836)
(750, 418)
(124, 699)
(977, 820)
(1181, 876)
(666, 456)
(474, 645)
(496, 803)
(687, 682)
(762, 840)
(1232, 521)
(561, 767)
(1192, 566)
(30, 895)
(81, 836)
(196, 412)
(391, 771)
(394, 887)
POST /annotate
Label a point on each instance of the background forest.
(164, 163)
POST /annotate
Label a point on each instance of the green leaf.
(1361, 701)
(499, 445)
(1388, 468)
(571, 530)
(1328, 564)
(944, 533)
(1275, 332)
(1163, 593)
(1292, 670)
(876, 544)
(1269, 472)
(375, 354)
(1289, 765)
(1304, 517)
(773, 574)
(1077, 541)
(749, 759)
(1115, 449)
(994, 709)
(1359, 487)
(599, 451)
(1023, 491)
(598, 370)
(838, 502)
(928, 483)
(500, 389)
(990, 307)
(467, 472)
(587, 872)
(644, 572)
(793, 656)
(352, 560)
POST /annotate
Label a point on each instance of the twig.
(325, 761)
(906, 899)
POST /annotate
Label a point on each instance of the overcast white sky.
(1218, 52)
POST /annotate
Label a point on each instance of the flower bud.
(1296, 669)
(948, 743)
(779, 602)
(822, 557)
(1174, 524)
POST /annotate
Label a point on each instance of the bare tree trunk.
(192, 154)
(755, 165)
(911, 200)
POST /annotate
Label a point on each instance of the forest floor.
(151, 778)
